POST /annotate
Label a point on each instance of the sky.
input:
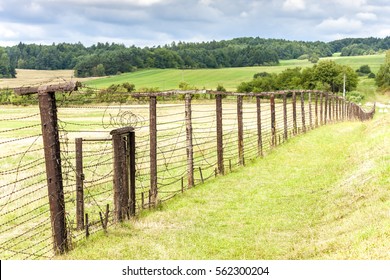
(158, 22)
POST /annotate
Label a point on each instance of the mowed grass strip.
(324, 195)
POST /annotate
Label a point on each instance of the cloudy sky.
(157, 22)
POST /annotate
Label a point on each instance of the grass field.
(324, 195)
(230, 78)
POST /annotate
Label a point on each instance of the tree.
(365, 69)
(383, 76)
(331, 75)
(6, 69)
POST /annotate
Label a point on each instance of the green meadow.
(230, 78)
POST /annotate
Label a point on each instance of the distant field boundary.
(97, 173)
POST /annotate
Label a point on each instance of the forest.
(104, 59)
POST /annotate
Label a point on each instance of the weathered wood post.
(79, 184)
(52, 152)
(240, 125)
(310, 112)
(303, 112)
(221, 169)
(51, 142)
(330, 112)
(294, 107)
(316, 109)
(326, 108)
(189, 144)
(153, 149)
(285, 134)
(259, 132)
(322, 109)
(132, 170)
(120, 209)
(123, 140)
(273, 121)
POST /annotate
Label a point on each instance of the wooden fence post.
(316, 110)
(123, 141)
(273, 121)
(132, 169)
(240, 125)
(153, 149)
(294, 106)
(119, 179)
(303, 112)
(259, 132)
(79, 184)
(51, 142)
(189, 144)
(326, 108)
(221, 168)
(285, 134)
(310, 113)
(330, 112)
(321, 109)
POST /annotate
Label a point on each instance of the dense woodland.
(110, 59)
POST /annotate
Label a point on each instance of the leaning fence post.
(51, 142)
(259, 133)
(189, 148)
(303, 112)
(273, 121)
(240, 124)
(79, 184)
(153, 149)
(221, 169)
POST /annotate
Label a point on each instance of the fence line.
(177, 146)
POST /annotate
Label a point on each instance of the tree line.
(325, 75)
(110, 59)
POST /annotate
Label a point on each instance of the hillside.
(230, 78)
(110, 59)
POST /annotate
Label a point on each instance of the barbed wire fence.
(178, 144)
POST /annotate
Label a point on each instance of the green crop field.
(230, 78)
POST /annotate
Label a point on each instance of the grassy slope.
(230, 78)
(324, 195)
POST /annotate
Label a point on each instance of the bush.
(365, 69)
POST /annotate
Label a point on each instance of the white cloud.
(294, 5)
(366, 16)
(342, 24)
(244, 14)
(153, 22)
(349, 3)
